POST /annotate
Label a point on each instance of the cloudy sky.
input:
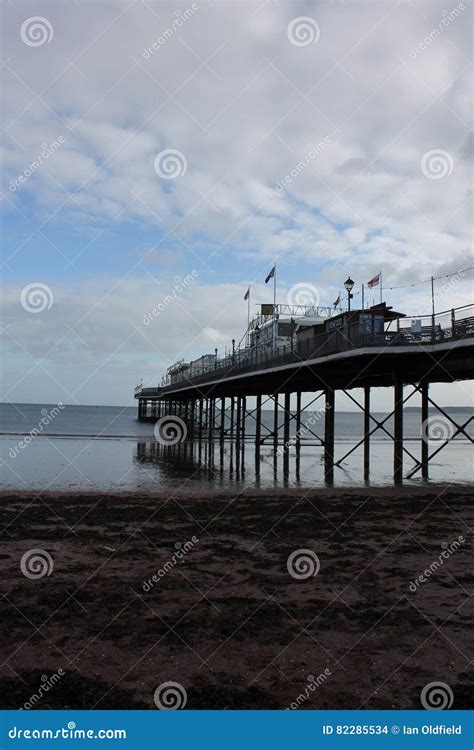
(149, 142)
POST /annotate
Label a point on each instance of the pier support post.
(244, 411)
(329, 436)
(192, 418)
(286, 436)
(398, 432)
(222, 427)
(275, 423)
(210, 420)
(232, 410)
(366, 432)
(200, 420)
(425, 446)
(298, 421)
(258, 431)
(237, 421)
(286, 424)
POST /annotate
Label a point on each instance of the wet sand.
(228, 621)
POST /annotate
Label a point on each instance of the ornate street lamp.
(349, 286)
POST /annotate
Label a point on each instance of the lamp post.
(215, 352)
(349, 286)
(233, 351)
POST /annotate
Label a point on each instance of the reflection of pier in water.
(229, 462)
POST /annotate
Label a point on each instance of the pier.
(291, 356)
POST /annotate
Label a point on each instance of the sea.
(106, 449)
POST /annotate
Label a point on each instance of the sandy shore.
(228, 621)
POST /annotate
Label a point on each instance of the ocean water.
(105, 448)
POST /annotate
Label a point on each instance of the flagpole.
(380, 287)
(274, 306)
(248, 318)
(363, 307)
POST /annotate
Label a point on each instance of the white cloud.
(243, 105)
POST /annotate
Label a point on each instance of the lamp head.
(349, 284)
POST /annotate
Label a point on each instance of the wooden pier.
(213, 406)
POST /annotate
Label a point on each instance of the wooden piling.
(366, 432)
(425, 446)
(329, 436)
(398, 432)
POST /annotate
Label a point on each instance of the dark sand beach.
(228, 621)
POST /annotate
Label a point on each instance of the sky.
(154, 148)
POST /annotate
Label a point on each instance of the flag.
(247, 294)
(337, 302)
(374, 282)
(271, 275)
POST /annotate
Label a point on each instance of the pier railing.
(448, 325)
